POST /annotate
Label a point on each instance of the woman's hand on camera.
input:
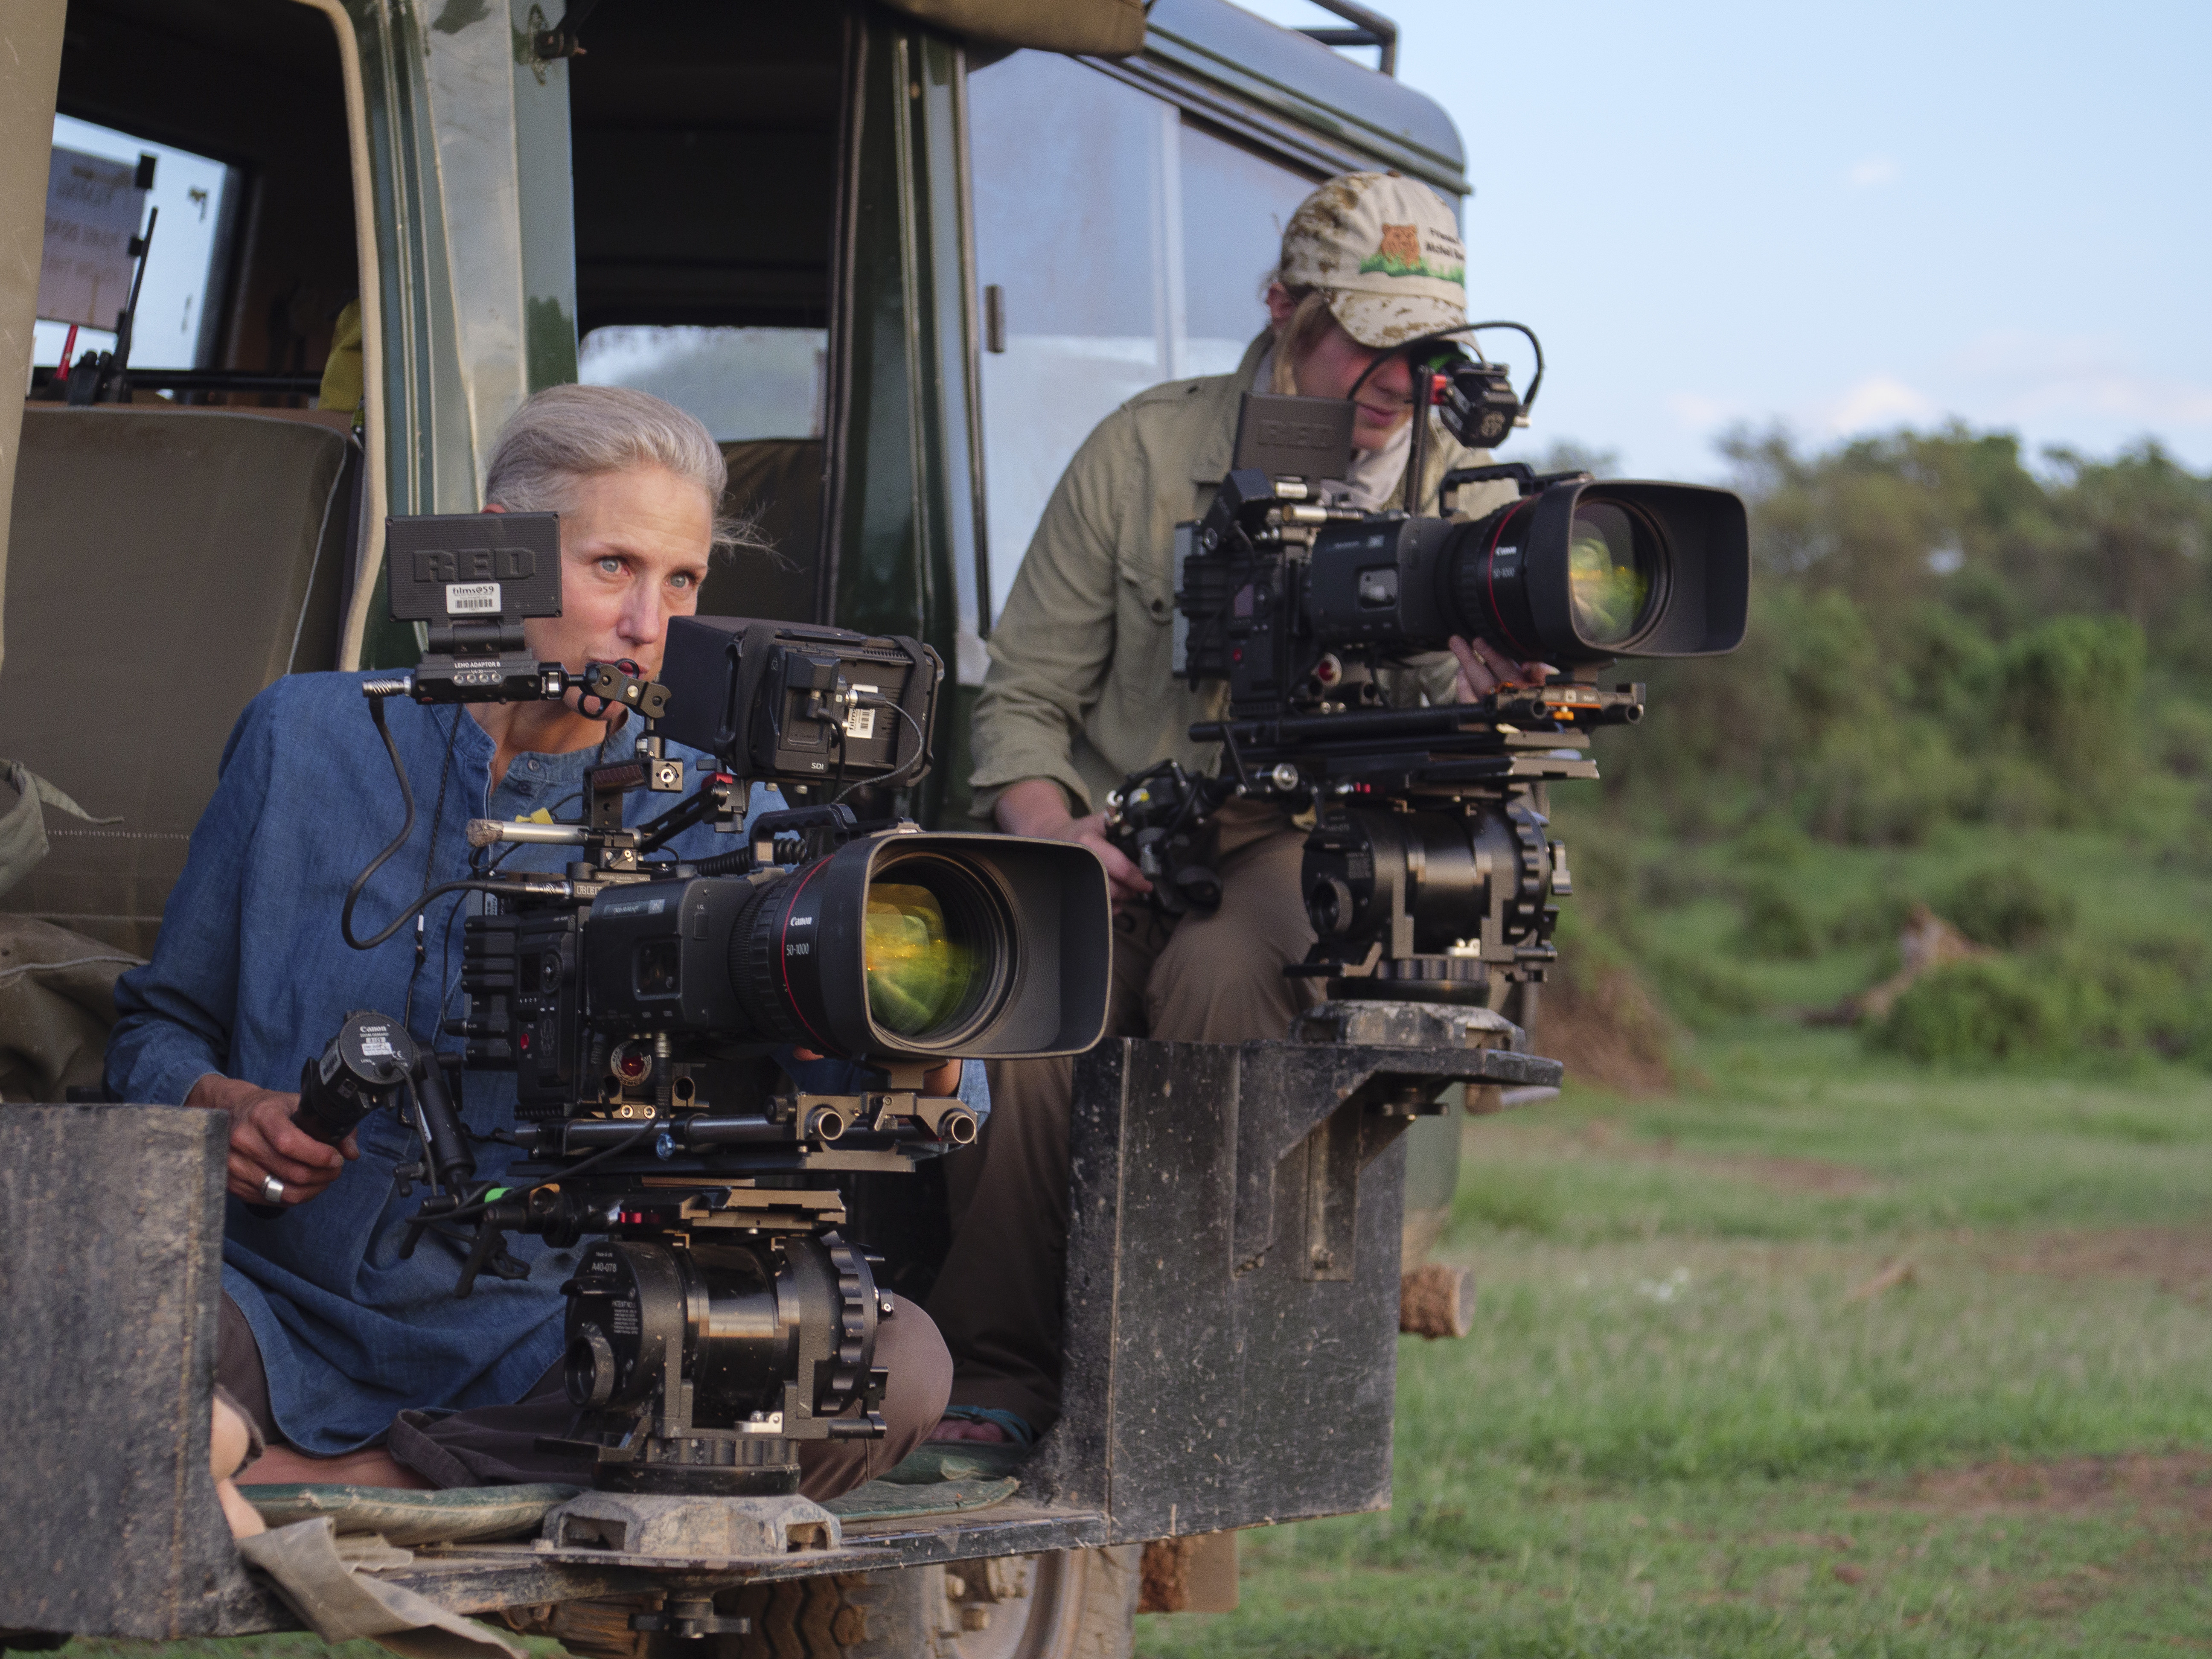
(265, 1142)
(1483, 668)
(1036, 807)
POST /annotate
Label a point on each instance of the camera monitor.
(1294, 437)
(474, 566)
(798, 703)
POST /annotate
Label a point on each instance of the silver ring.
(272, 1189)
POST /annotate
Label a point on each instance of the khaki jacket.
(1081, 688)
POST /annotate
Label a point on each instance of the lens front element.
(904, 944)
(1610, 565)
(919, 973)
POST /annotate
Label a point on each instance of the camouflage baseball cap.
(1386, 250)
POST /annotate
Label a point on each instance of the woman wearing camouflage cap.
(1080, 694)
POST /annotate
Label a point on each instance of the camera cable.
(430, 861)
(920, 749)
(406, 829)
(495, 1194)
(1406, 350)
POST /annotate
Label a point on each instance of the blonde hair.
(566, 433)
(1299, 334)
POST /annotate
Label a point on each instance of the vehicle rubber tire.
(1076, 1604)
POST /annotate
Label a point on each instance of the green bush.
(2184, 738)
(1772, 842)
(2052, 670)
(2141, 994)
(1877, 696)
(1777, 921)
(1700, 991)
(2113, 997)
(2069, 688)
(1876, 916)
(1974, 1012)
(2006, 905)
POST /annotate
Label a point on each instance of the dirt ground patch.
(2178, 1482)
(2176, 1259)
(1789, 1175)
(1795, 1174)
(1608, 1031)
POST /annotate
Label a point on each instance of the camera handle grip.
(325, 1114)
(313, 1124)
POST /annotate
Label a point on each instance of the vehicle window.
(1129, 246)
(742, 383)
(244, 100)
(178, 303)
(1235, 205)
(704, 141)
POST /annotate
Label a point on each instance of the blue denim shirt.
(250, 977)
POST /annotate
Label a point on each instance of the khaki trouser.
(1215, 978)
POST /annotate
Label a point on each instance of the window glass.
(1235, 205)
(179, 301)
(1067, 165)
(742, 383)
(1127, 248)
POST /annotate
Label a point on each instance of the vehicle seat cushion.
(163, 567)
(57, 1002)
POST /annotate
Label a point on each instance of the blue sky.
(1843, 219)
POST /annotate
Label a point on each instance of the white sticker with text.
(472, 599)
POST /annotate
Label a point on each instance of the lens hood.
(907, 945)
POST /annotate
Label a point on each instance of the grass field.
(1820, 1354)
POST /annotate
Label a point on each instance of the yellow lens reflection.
(918, 974)
(1607, 581)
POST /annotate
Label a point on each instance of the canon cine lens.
(1611, 569)
(906, 944)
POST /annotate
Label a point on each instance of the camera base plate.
(690, 1528)
(1376, 1022)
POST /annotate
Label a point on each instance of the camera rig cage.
(718, 1317)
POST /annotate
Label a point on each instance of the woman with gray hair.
(638, 483)
(353, 1362)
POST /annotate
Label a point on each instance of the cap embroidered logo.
(1400, 253)
(1401, 247)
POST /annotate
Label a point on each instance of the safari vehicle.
(900, 258)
